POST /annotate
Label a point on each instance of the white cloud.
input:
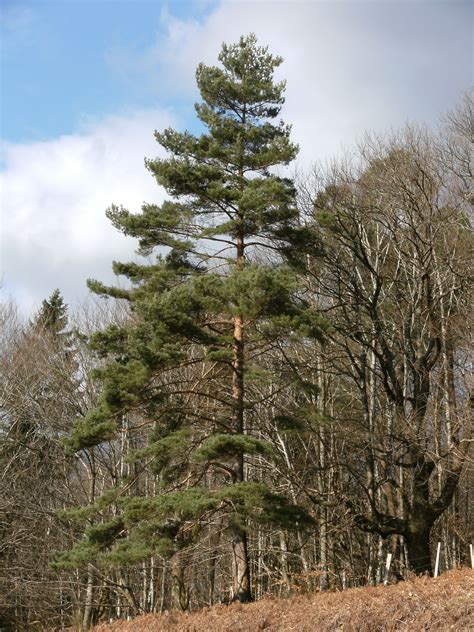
(351, 66)
(54, 195)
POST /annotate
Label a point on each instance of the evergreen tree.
(201, 311)
(52, 315)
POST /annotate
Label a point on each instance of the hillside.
(445, 603)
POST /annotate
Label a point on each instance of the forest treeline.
(277, 393)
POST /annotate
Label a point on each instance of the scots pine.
(211, 295)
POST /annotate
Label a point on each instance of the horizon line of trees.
(278, 396)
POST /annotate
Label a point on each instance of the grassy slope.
(445, 603)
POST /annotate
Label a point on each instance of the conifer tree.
(52, 315)
(202, 309)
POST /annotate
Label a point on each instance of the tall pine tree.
(202, 310)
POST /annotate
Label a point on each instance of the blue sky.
(84, 83)
(60, 61)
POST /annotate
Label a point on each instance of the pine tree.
(201, 311)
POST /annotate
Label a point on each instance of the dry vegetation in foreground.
(445, 603)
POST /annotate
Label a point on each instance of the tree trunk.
(241, 568)
(286, 584)
(179, 592)
(241, 580)
(323, 550)
(88, 604)
(418, 547)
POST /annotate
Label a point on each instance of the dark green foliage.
(154, 524)
(167, 453)
(97, 539)
(89, 432)
(227, 445)
(255, 501)
(289, 423)
(226, 208)
(78, 556)
(53, 314)
(105, 533)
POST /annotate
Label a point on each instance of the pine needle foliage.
(214, 272)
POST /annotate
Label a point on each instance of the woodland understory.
(277, 394)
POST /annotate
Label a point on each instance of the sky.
(84, 84)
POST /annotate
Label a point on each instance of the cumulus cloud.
(54, 197)
(351, 66)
